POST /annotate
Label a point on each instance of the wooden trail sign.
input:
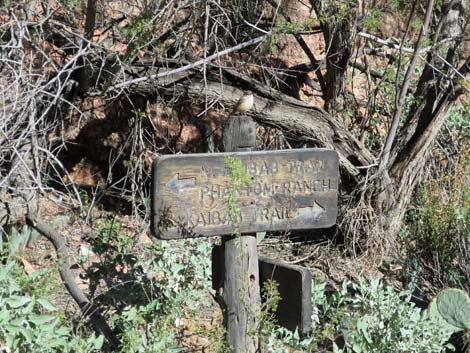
(289, 190)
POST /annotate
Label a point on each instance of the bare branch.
(404, 89)
(192, 65)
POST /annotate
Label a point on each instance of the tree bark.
(338, 21)
(300, 121)
(438, 88)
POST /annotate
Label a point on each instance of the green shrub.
(383, 320)
(371, 317)
(29, 323)
(373, 20)
(439, 228)
(179, 271)
(365, 317)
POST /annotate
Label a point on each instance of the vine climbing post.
(241, 278)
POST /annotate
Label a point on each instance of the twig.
(313, 60)
(387, 43)
(192, 65)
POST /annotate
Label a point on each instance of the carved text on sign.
(289, 189)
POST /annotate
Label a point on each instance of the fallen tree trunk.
(298, 120)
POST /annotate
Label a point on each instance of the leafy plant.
(277, 339)
(383, 320)
(285, 27)
(238, 178)
(439, 226)
(282, 340)
(453, 305)
(370, 317)
(180, 274)
(110, 233)
(29, 323)
(373, 20)
(150, 289)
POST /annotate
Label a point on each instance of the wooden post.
(241, 279)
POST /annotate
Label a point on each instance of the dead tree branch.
(88, 309)
(297, 119)
(192, 65)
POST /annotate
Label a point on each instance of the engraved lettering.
(278, 212)
(286, 187)
(287, 213)
(252, 168)
(274, 167)
(204, 191)
(249, 189)
(267, 189)
(307, 186)
(265, 214)
(215, 219)
(333, 184)
(317, 185)
(298, 187)
(264, 169)
(290, 166)
(310, 168)
(189, 221)
(272, 214)
(226, 190)
(201, 221)
(215, 191)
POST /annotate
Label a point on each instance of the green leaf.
(13, 288)
(27, 333)
(4, 316)
(454, 306)
(16, 301)
(29, 308)
(40, 319)
(46, 304)
(357, 348)
(14, 324)
(98, 342)
(18, 239)
(6, 270)
(260, 236)
(434, 314)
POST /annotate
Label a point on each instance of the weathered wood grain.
(241, 281)
(290, 190)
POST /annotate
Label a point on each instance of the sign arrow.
(175, 184)
(314, 211)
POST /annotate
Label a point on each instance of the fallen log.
(298, 120)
